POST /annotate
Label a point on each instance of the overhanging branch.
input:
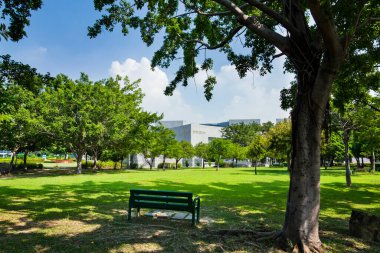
(222, 43)
(274, 15)
(254, 26)
(327, 28)
(211, 14)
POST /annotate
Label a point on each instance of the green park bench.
(166, 200)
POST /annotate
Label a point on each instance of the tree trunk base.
(284, 243)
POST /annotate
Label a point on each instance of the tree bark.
(25, 159)
(163, 164)
(12, 160)
(255, 167)
(346, 139)
(95, 160)
(301, 225)
(217, 167)
(79, 162)
(373, 161)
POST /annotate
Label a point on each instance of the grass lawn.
(87, 213)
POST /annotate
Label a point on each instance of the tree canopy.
(318, 39)
(15, 17)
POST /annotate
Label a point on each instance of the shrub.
(29, 166)
(161, 165)
(134, 166)
(107, 165)
(187, 163)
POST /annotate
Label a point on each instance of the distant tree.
(369, 132)
(20, 107)
(83, 119)
(345, 121)
(219, 149)
(167, 142)
(201, 151)
(19, 123)
(280, 141)
(150, 144)
(237, 152)
(241, 134)
(183, 150)
(266, 126)
(257, 150)
(333, 149)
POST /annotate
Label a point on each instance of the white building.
(193, 133)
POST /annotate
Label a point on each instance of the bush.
(107, 165)
(134, 166)
(187, 163)
(168, 165)
(161, 165)
(90, 164)
(29, 166)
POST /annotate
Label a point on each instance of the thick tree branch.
(327, 28)
(211, 14)
(274, 15)
(222, 43)
(254, 26)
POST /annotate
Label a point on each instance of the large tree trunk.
(302, 210)
(301, 225)
(346, 139)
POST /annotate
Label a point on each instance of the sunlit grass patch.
(87, 213)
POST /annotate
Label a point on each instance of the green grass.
(87, 213)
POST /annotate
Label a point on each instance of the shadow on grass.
(91, 216)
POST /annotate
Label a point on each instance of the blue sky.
(57, 42)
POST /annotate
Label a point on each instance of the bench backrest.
(161, 196)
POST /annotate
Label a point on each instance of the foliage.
(237, 152)
(83, 115)
(218, 149)
(182, 149)
(241, 134)
(16, 16)
(280, 140)
(257, 149)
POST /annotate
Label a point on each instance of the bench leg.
(193, 218)
(138, 211)
(129, 213)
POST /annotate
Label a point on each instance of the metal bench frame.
(166, 200)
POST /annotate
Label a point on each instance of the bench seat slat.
(162, 199)
(161, 193)
(174, 207)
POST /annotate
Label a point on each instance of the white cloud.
(40, 50)
(251, 97)
(153, 84)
